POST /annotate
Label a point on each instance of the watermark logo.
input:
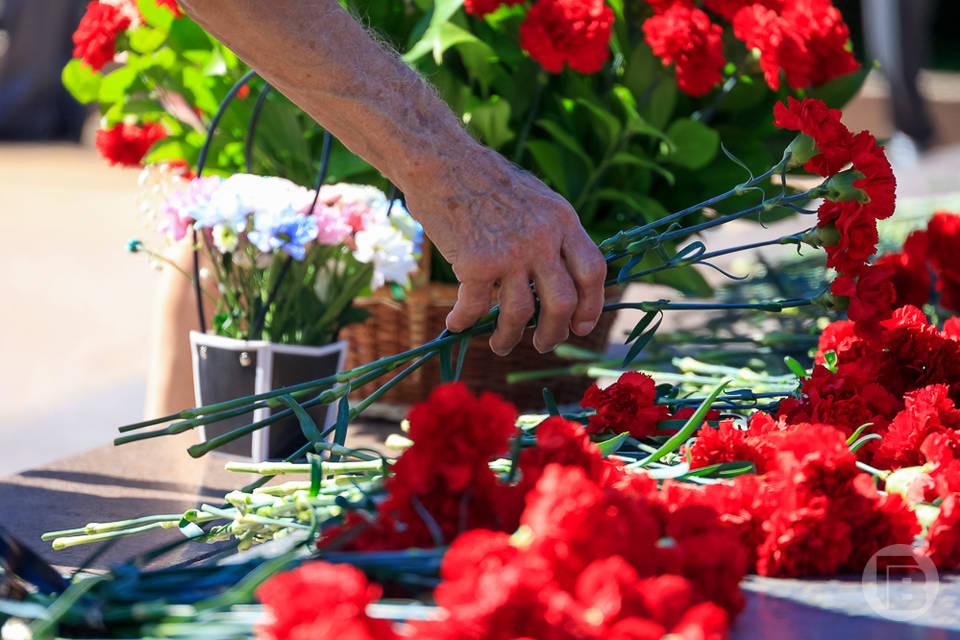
(899, 585)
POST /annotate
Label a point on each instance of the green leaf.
(693, 423)
(81, 81)
(307, 425)
(659, 106)
(199, 87)
(864, 440)
(795, 367)
(550, 160)
(610, 446)
(343, 418)
(490, 119)
(686, 279)
(627, 158)
(724, 470)
(608, 120)
(550, 403)
(117, 84)
(187, 35)
(562, 136)
(147, 40)
(640, 342)
(856, 434)
(156, 16)
(839, 91)
(316, 474)
(168, 149)
(692, 144)
(440, 33)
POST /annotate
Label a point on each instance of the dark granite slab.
(159, 477)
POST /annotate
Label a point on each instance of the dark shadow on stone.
(81, 477)
(28, 512)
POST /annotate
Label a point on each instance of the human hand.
(498, 224)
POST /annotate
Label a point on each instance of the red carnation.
(940, 452)
(684, 35)
(127, 144)
(841, 338)
(573, 521)
(855, 221)
(807, 40)
(943, 536)
(911, 277)
(729, 8)
(944, 234)
(573, 32)
(95, 40)
(321, 601)
(928, 410)
(856, 235)
(951, 328)
(172, 6)
(871, 296)
(483, 7)
(443, 483)
(730, 444)
(814, 118)
(626, 405)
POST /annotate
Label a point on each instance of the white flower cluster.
(275, 214)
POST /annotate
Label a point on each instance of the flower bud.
(825, 236)
(829, 301)
(839, 187)
(800, 151)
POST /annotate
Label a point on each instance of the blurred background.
(77, 307)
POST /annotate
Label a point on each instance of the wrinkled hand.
(497, 224)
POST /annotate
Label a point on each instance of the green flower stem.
(331, 395)
(329, 468)
(71, 541)
(742, 373)
(665, 376)
(666, 305)
(622, 238)
(693, 423)
(102, 527)
(251, 518)
(788, 239)
(879, 473)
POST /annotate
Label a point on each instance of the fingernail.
(584, 328)
(541, 349)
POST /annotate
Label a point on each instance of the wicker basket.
(394, 327)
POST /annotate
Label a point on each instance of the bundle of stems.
(624, 252)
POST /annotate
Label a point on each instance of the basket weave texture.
(397, 326)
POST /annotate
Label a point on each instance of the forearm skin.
(316, 54)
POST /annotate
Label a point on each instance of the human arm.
(493, 222)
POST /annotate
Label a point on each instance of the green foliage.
(624, 145)
(81, 81)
